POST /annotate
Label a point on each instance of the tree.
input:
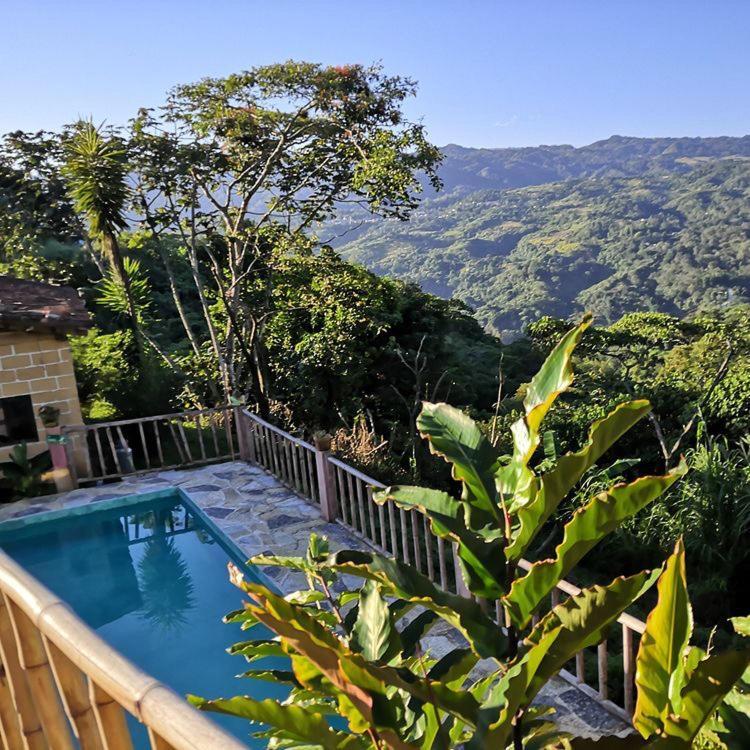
(37, 219)
(260, 157)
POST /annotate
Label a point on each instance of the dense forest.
(198, 234)
(624, 224)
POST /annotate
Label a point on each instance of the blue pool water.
(148, 573)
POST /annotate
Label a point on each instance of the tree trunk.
(262, 375)
(216, 346)
(177, 301)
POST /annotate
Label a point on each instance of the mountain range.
(619, 225)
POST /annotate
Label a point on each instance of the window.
(17, 424)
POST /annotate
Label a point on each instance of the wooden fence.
(345, 496)
(111, 450)
(62, 687)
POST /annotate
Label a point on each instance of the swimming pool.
(148, 573)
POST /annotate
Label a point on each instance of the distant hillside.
(623, 224)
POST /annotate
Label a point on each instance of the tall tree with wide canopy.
(242, 165)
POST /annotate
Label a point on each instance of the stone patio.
(263, 516)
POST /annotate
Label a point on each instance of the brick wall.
(39, 365)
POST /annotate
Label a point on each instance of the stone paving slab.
(262, 516)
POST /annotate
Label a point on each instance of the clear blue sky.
(491, 73)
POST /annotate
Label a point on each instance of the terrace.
(264, 491)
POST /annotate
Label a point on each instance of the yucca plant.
(113, 296)
(96, 170)
(354, 654)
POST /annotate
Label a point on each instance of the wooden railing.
(111, 450)
(345, 496)
(62, 687)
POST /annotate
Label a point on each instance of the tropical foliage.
(354, 653)
(22, 475)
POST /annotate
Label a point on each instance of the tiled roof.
(35, 306)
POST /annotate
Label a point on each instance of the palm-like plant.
(165, 584)
(96, 170)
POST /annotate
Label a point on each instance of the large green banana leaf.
(555, 485)
(711, 681)
(663, 645)
(482, 559)
(359, 679)
(485, 637)
(455, 437)
(556, 374)
(298, 723)
(588, 526)
(374, 634)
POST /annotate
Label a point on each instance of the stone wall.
(39, 365)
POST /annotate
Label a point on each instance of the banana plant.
(683, 691)
(356, 650)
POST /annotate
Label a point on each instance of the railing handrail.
(136, 420)
(356, 473)
(154, 704)
(287, 436)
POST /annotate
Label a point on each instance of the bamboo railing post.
(157, 437)
(392, 523)
(71, 683)
(601, 653)
(294, 449)
(100, 451)
(146, 456)
(184, 440)
(10, 730)
(461, 587)
(243, 443)
(110, 717)
(381, 520)
(326, 490)
(42, 687)
(339, 489)
(28, 720)
(227, 415)
(199, 435)
(442, 564)
(312, 475)
(628, 666)
(404, 536)
(580, 667)
(428, 548)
